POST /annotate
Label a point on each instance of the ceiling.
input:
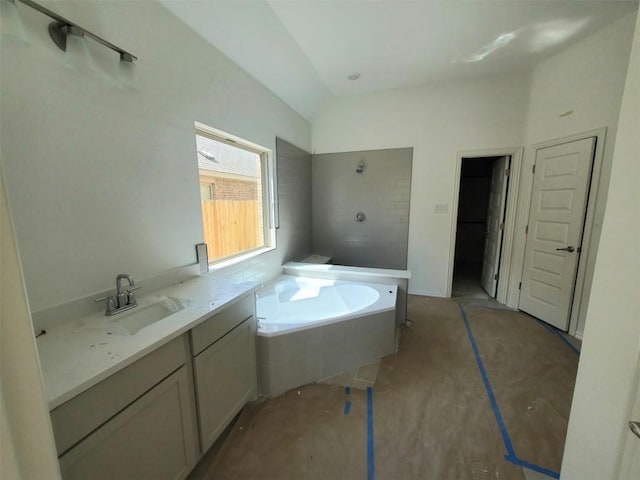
(304, 50)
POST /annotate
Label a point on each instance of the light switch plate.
(441, 208)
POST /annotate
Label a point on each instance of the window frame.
(269, 193)
(209, 187)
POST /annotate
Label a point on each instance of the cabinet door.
(225, 376)
(77, 418)
(151, 439)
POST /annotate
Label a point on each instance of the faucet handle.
(111, 305)
(131, 297)
(111, 302)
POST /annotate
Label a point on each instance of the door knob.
(567, 249)
(635, 428)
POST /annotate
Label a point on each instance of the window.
(234, 194)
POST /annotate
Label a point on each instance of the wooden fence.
(231, 226)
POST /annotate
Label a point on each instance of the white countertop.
(74, 356)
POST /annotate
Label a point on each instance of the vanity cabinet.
(150, 439)
(155, 418)
(224, 367)
(138, 423)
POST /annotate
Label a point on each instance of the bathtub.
(357, 274)
(292, 303)
(310, 329)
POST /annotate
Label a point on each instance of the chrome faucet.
(122, 300)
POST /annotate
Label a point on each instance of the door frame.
(595, 203)
(516, 154)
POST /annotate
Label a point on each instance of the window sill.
(216, 267)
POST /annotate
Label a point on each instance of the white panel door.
(556, 221)
(495, 225)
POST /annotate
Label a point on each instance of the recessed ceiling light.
(354, 76)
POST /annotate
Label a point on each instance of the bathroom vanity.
(163, 395)
(224, 364)
(138, 423)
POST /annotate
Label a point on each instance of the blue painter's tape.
(347, 390)
(487, 386)
(371, 475)
(537, 468)
(555, 331)
(511, 454)
(347, 407)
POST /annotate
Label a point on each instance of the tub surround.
(313, 355)
(311, 329)
(75, 357)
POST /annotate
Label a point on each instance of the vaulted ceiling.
(305, 50)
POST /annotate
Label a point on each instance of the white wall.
(102, 181)
(27, 449)
(610, 350)
(437, 121)
(587, 79)
(441, 120)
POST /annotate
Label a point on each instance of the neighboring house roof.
(226, 158)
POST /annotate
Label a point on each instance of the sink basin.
(134, 320)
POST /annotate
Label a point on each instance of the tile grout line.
(511, 454)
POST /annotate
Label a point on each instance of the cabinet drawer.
(222, 322)
(152, 439)
(78, 417)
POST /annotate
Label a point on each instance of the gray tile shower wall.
(294, 201)
(374, 182)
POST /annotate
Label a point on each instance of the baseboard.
(425, 293)
(578, 334)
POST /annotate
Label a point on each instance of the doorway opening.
(482, 204)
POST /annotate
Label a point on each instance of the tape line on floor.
(511, 454)
(555, 331)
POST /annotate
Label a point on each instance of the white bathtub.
(356, 274)
(310, 329)
(293, 303)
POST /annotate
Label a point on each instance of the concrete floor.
(466, 281)
(466, 288)
(432, 415)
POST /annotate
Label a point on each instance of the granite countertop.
(77, 354)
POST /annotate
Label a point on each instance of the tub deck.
(291, 303)
(400, 278)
